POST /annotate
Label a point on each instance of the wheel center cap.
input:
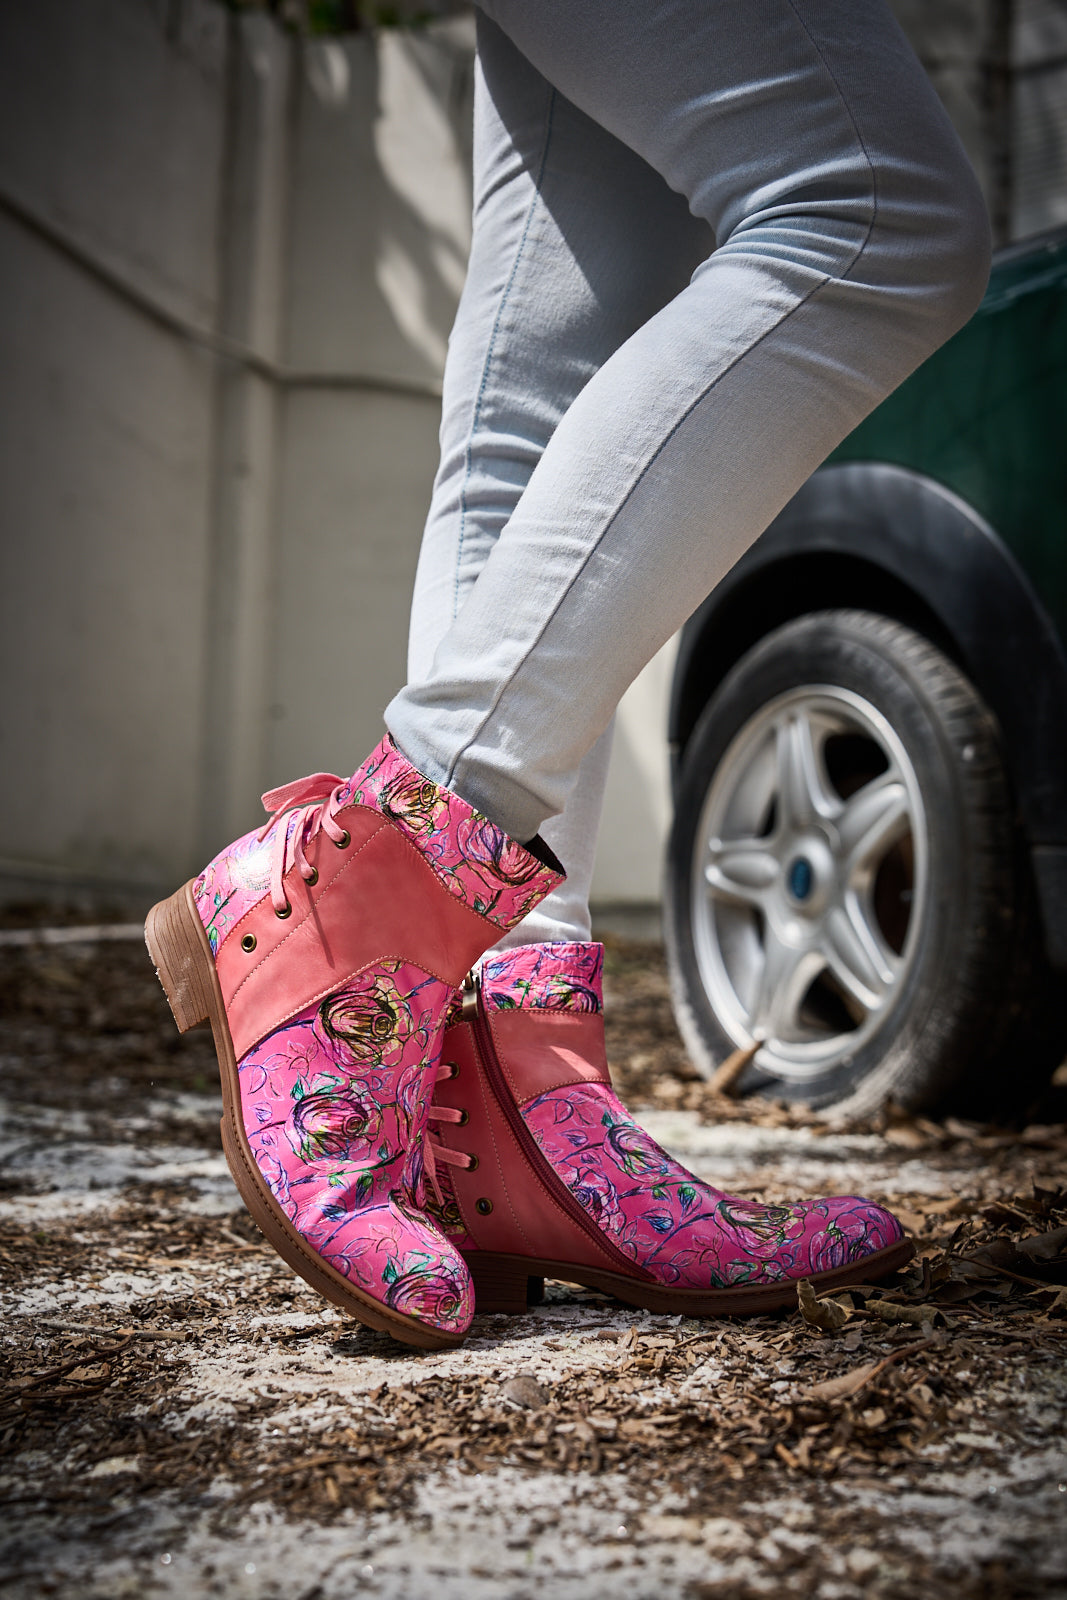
(800, 878)
(808, 878)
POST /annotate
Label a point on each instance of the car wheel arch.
(885, 538)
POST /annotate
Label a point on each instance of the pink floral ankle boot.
(550, 1176)
(324, 951)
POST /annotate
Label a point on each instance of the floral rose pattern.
(334, 1105)
(471, 856)
(549, 977)
(233, 883)
(685, 1232)
(474, 860)
(335, 1101)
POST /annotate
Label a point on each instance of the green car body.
(986, 416)
(944, 515)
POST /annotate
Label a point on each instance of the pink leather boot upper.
(339, 934)
(540, 1010)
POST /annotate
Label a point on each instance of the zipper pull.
(469, 1008)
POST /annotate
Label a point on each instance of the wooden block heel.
(503, 1283)
(177, 944)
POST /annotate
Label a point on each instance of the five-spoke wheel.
(844, 884)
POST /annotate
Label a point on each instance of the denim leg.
(851, 242)
(576, 243)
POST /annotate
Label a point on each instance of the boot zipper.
(472, 1013)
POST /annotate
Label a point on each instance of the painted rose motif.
(560, 976)
(334, 1101)
(340, 1143)
(755, 1227)
(430, 1293)
(231, 885)
(412, 800)
(596, 1192)
(682, 1230)
(335, 1123)
(472, 858)
(829, 1249)
(484, 844)
(367, 1019)
(636, 1152)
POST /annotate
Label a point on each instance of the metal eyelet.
(313, 879)
(344, 841)
(483, 1207)
(281, 915)
(464, 1118)
(453, 1070)
(472, 1164)
(248, 943)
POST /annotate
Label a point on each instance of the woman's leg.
(577, 242)
(851, 242)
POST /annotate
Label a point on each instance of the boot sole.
(502, 1284)
(185, 967)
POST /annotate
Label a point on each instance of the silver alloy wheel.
(810, 870)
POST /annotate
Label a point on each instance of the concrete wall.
(228, 265)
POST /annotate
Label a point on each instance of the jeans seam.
(504, 298)
(686, 414)
(871, 169)
(631, 491)
(690, 408)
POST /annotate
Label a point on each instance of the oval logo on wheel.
(800, 878)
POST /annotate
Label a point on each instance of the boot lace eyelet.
(285, 912)
(483, 1207)
(313, 878)
(344, 841)
(248, 943)
(464, 1118)
(472, 1164)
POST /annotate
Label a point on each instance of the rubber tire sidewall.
(935, 1024)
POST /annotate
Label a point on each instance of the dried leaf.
(915, 1316)
(1058, 1308)
(849, 1383)
(1045, 1247)
(828, 1314)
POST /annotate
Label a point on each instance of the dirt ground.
(180, 1416)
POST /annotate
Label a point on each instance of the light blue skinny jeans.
(709, 237)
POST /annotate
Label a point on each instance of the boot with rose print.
(550, 1176)
(324, 950)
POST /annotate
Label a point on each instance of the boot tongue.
(562, 976)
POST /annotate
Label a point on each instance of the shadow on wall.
(228, 264)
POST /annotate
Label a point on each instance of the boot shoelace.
(434, 1150)
(318, 798)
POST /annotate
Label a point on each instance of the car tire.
(846, 882)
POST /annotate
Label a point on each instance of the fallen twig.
(851, 1383)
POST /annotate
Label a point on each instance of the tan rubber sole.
(179, 947)
(501, 1284)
